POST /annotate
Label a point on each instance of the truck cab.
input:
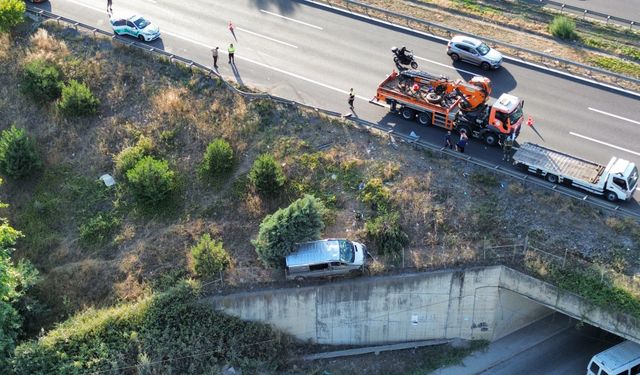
(506, 115)
(622, 179)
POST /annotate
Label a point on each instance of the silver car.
(474, 51)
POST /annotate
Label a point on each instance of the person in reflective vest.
(231, 51)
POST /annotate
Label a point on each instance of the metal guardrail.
(588, 13)
(354, 7)
(405, 138)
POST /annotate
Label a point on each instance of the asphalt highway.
(314, 55)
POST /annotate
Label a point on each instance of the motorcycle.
(403, 56)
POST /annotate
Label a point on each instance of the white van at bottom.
(330, 257)
(622, 359)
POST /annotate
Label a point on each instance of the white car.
(136, 26)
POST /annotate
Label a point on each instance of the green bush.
(376, 195)
(166, 333)
(279, 232)
(208, 257)
(41, 81)
(218, 158)
(77, 100)
(266, 175)
(563, 27)
(18, 155)
(99, 228)
(11, 13)
(386, 234)
(151, 180)
(130, 156)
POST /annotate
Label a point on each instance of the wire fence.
(443, 34)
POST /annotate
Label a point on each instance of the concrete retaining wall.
(479, 303)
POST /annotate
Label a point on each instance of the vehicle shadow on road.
(502, 80)
(157, 44)
(283, 6)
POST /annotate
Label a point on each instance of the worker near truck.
(507, 146)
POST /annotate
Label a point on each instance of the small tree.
(563, 27)
(11, 13)
(41, 81)
(18, 155)
(386, 234)
(376, 195)
(77, 100)
(151, 180)
(130, 156)
(208, 257)
(218, 158)
(266, 175)
(279, 232)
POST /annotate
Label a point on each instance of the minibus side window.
(635, 370)
(594, 368)
(625, 372)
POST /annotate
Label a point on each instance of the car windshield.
(633, 179)
(141, 23)
(517, 113)
(483, 49)
(346, 251)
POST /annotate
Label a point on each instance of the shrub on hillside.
(11, 13)
(218, 158)
(99, 228)
(18, 155)
(166, 333)
(386, 234)
(151, 180)
(563, 27)
(41, 81)
(376, 195)
(130, 156)
(266, 175)
(279, 232)
(208, 257)
(77, 100)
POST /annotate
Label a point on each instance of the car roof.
(314, 252)
(466, 40)
(131, 18)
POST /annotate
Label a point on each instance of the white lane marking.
(266, 37)
(102, 10)
(272, 68)
(612, 115)
(605, 143)
(447, 66)
(291, 19)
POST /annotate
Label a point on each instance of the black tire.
(455, 57)
(141, 38)
(395, 60)
(491, 139)
(414, 65)
(434, 98)
(424, 118)
(408, 113)
(552, 178)
(485, 66)
(299, 279)
(611, 196)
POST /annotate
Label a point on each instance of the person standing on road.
(507, 145)
(448, 142)
(352, 97)
(232, 51)
(109, 8)
(214, 53)
(462, 143)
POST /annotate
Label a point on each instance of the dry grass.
(46, 47)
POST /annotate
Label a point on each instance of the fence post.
(526, 243)
(484, 248)
(564, 259)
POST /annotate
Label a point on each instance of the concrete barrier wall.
(479, 303)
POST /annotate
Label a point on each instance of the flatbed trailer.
(616, 181)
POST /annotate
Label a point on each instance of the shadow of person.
(236, 73)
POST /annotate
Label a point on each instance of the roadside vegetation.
(215, 187)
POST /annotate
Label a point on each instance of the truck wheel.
(424, 118)
(552, 178)
(408, 113)
(491, 139)
(611, 196)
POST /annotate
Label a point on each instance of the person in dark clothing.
(462, 143)
(448, 142)
(214, 54)
(352, 97)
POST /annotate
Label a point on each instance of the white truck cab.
(622, 178)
